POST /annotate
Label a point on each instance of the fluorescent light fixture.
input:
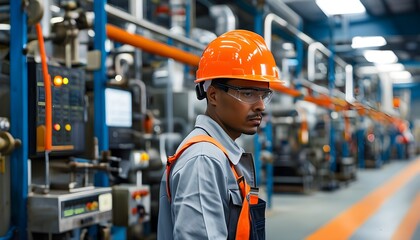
(340, 7)
(396, 67)
(364, 42)
(380, 57)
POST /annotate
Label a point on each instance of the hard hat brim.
(274, 83)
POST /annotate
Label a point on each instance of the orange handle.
(47, 88)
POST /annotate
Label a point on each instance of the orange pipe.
(322, 101)
(47, 89)
(289, 91)
(154, 47)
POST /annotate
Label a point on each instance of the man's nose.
(259, 105)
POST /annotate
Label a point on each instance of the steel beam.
(19, 117)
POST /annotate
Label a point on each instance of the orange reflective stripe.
(243, 229)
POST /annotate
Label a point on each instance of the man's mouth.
(255, 118)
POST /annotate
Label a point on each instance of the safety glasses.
(249, 95)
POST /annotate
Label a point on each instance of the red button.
(57, 127)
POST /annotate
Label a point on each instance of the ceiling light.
(380, 57)
(339, 7)
(364, 42)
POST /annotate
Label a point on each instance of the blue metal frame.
(268, 128)
(100, 79)
(300, 53)
(258, 18)
(269, 165)
(257, 158)
(19, 117)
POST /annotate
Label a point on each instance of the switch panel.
(131, 204)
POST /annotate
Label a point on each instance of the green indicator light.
(68, 212)
(79, 210)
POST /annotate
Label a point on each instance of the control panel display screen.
(118, 108)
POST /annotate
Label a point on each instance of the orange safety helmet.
(239, 54)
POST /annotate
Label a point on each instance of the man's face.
(239, 105)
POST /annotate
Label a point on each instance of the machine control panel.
(58, 212)
(131, 204)
(68, 109)
(80, 206)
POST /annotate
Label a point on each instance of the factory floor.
(382, 203)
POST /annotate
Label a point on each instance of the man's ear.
(211, 94)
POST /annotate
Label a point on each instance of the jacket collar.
(212, 128)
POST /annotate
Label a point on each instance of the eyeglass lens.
(247, 95)
(253, 96)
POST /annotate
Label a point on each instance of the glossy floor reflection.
(381, 204)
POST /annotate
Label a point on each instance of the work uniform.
(205, 197)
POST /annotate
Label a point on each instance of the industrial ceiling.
(396, 20)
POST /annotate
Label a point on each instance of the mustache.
(256, 115)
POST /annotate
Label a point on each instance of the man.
(208, 190)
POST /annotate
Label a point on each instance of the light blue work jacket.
(206, 199)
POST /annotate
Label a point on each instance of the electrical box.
(68, 109)
(131, 204)
(59, 212)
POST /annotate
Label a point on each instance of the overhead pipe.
(115, 12)
(317, 46)
(225, 18)
(349, 95)
(151, 46)
(315, 87)
(136, 9)
(268, 22)
(280, 8)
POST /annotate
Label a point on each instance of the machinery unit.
(292, 167)
(131, 204)
(58, 212)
